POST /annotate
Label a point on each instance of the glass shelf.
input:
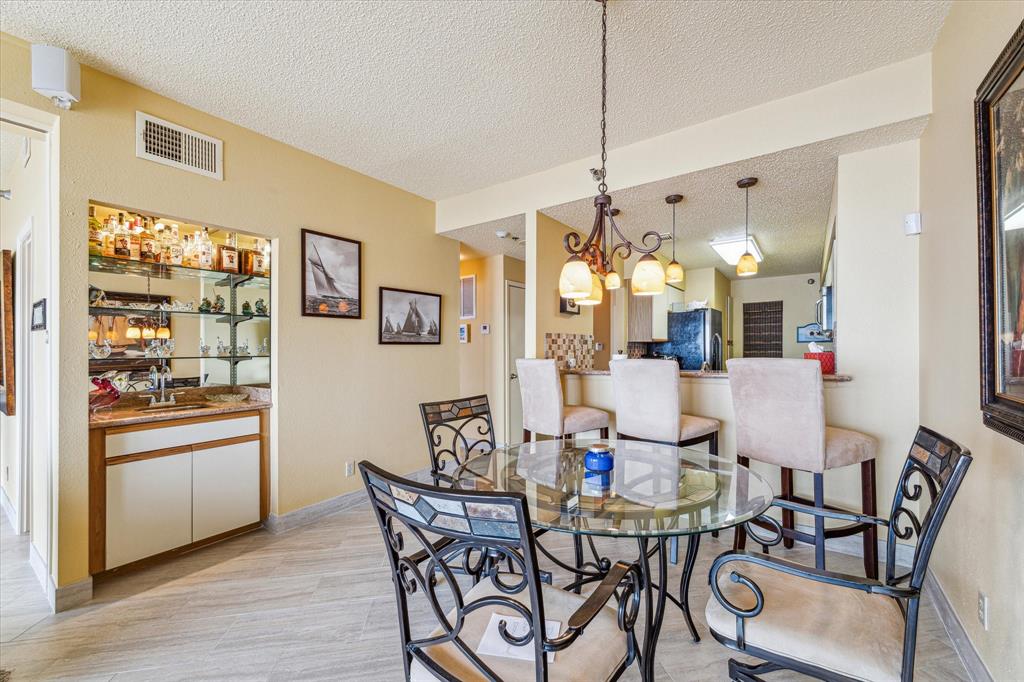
(138, 358)
(127, 312)
(123, 266)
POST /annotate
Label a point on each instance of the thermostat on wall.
(485, 328)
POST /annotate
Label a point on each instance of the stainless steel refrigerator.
(694, 338)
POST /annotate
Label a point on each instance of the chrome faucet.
(159, 381)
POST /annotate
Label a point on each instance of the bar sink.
(174, 408)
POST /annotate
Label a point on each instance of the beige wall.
(28, 209)
(980, 548)
(798, 299)
(551, 256)
(877, 285)
(339, 395)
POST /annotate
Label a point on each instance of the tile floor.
(312, 604)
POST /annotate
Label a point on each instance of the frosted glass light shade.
(596, 292)
(747, 265)
(133, 332)
(674, 273)
(148, 333)
(648, 277)
(575, 280)
(163, 333)
(94, 335)
(612, 281)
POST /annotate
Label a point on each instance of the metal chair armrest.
(828, 513)
(597, 600)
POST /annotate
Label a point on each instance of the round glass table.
(653, 493)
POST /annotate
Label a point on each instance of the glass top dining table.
(652, 490)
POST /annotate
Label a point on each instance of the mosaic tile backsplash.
(560, 347)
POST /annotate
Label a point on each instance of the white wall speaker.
(56, 74)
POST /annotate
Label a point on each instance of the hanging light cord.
(673, 233)
(603, 186)
(746, 219)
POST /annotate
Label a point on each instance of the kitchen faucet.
(159, 381)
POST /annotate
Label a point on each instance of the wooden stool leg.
(604, 433)
(787, 494)
(867, 485)
(739, 540)
(713, 443)
(819, 521)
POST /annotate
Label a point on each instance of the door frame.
(23, 365)
(506, 359)
(45, 126)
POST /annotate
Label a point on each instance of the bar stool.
(543, 409)
(647, 407)
(780, 419)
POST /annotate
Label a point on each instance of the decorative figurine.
(246, 308)
(264, 347)
(100, 352)
(97, 297)
(205, 306)
(218, 304)
(243, 348)
(204, 349)
(261, 307)
(222, 348)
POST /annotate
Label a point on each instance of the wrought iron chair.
(831, 625)
(486, 531)
(455, 430)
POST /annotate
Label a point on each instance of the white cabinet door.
(148, 508)
(225, 488)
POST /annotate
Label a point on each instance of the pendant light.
(598, 252)
(133, 331)
(674, 273)
(747, 265)
(596, 292)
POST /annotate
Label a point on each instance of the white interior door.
(515, 347)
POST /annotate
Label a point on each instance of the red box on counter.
(827, 359)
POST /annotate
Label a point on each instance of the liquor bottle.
(188, 252)
(107, 235)
(149, 245)
(205, 248)
(227, 254)
(122, 239)
(173, 251)
(135, 239)
(95, 237)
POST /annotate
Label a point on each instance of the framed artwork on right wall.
(999, 149)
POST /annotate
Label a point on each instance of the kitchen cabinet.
(225, 488)
(148, 509)
(158, 487)
(647, 316)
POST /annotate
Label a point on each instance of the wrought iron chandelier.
(594, 258)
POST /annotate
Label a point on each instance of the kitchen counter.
(128, 410)
(696, 374)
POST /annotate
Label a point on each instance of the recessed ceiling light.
(731, 249)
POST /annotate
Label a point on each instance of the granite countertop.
(128, 410)
(697, 374)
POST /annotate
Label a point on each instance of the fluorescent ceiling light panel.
(731, 249)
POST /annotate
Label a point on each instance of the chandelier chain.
(673, 233)
(603, 186)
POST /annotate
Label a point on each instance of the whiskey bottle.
(172, 248)
(122, 238)
(149, 245)
(135, 239)
(107, 236)
(95, 234)
(205, 249)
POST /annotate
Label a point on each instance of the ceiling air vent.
(172, 145)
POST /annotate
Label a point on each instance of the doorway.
(515, 348)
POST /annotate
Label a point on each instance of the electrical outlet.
(983, 610)
(350, 468)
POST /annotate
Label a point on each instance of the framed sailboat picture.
(408, 317)
(332, 276)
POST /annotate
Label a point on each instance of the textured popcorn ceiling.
(788, 207)
(449, 96)
(484, 242)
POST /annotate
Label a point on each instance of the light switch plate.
(983, 610)
(350, 468)
(912, 224)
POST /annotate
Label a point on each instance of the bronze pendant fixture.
(594, 257)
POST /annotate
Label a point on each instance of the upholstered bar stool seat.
(850, 632)
(844, 447)
(694, 427)
(578, 418)
(543, 409)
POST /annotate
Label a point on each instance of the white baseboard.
(955, 630)
(9, 512)
(39, 567)
(282, 523)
